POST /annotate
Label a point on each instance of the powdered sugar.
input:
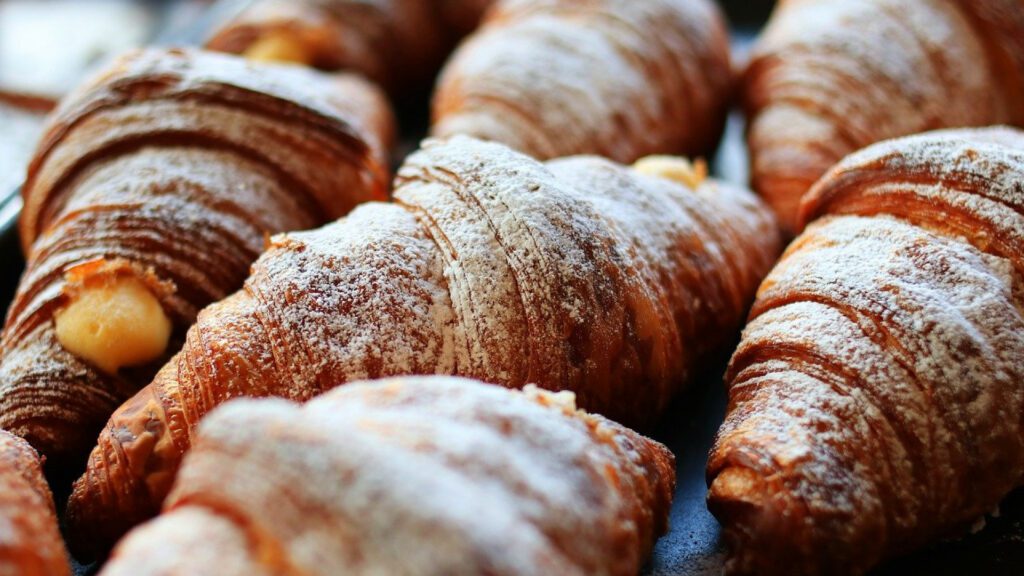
(28, 523)
(554, 80)
(580, 275)
(830, 77)
(178, 164)
(416, 462)
(879, 378)
(397, 44)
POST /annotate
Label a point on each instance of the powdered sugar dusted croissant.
(579, 274)
(421, 475)
(397, 43)
(828, 77)
(618, 78)
(30, 544)
(875, 400)
(150, 195)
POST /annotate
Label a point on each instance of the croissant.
(460, 476)
(617, 78)
(875, 400)
(151, 193)
(399, 44)
(579, 274)
(30, 543)
(828, 77)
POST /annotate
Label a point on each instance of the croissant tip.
(736, 492)
(101, 507)
(79, 542)
(751, 509)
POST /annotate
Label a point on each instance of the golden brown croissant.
(578, 274)
(875, 400)
(150, 195)
(419, 475)
(30, 544)
(397, 43)
(618, 78)
(829, 77)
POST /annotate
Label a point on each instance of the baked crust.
(424, 475)
(875, 400)
(579, 275)
(829, 77)
(173, 167)
(617, 78)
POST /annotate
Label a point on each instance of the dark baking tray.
(693, 545)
